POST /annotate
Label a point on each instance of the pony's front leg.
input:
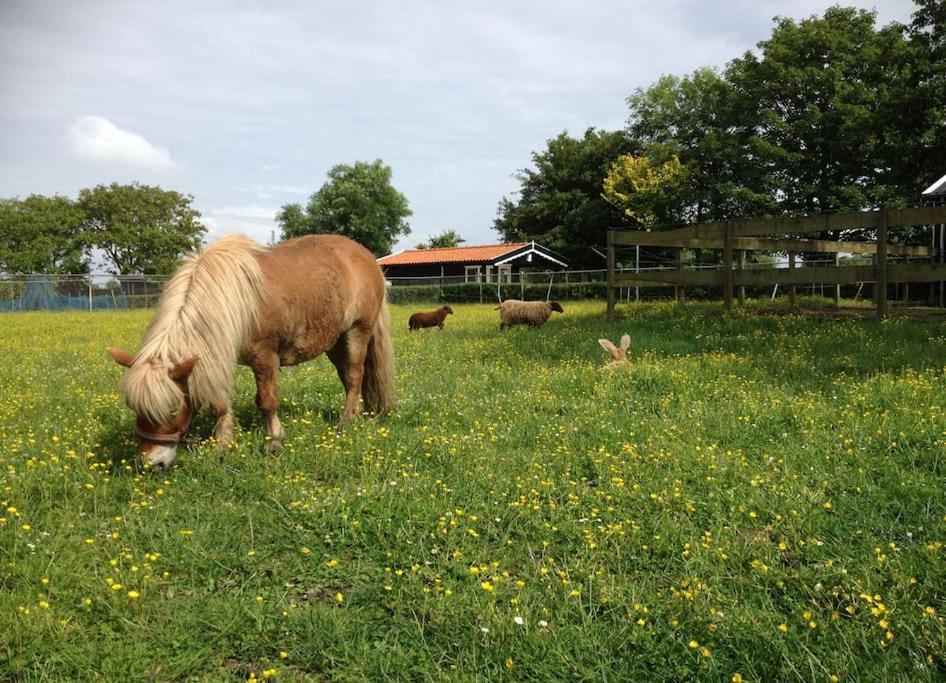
(223, 414)
(267, 400)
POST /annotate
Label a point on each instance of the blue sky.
(247, 105)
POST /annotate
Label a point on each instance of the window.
(472, 274)
(505, 274)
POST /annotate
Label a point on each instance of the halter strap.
(172, 438)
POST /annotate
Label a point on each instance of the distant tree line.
(141, 229)
(135, 229)
(831, 113)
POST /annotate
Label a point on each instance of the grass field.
(758, 498)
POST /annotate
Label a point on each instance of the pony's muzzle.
(160, 457)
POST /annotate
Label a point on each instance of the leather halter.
(172, 438)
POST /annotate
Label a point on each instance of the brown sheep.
(429, 319)
(532, 313)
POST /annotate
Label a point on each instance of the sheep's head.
(618, 354)
(555, 306)
(447, 310)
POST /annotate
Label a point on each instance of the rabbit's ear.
(607, 345)
(625, 342)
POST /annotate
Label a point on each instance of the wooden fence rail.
(734, 238)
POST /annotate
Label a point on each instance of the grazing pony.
(240, 302)
(429, 319)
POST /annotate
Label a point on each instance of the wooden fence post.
(882, 221)
(679, 293)
(610, 285)
(741, 261)
(939, 250)
(791, 268)
(837, 288)
(727, 265)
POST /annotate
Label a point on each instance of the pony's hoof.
(272, 445)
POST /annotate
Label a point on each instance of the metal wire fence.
(583, 284)
(91, 292)
(99, 291)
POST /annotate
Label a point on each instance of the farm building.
(935, 194)
(487, 263)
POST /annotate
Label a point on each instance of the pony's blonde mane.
(208, 308)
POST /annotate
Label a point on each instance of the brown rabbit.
(618, 355)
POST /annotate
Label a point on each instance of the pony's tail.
(377, 387)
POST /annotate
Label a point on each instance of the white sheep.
(532, 313)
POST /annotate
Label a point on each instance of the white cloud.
(247, 212)
(95, 138)
(270, 191)
(253, 220)
(288, 189)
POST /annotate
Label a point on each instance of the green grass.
(757, 494)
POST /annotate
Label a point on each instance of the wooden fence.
(736, 237)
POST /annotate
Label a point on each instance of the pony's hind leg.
(348, 357)
(267, 400)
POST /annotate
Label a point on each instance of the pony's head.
(157, 392)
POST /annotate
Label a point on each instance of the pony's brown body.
(322, 297)
(263, 308)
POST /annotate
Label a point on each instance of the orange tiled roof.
(480, 254)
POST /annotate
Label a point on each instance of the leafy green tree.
(292, 220)
(560, 203)
(446, 239)
(641, 190)
(700, 119)
(140, 228)
(42, 235)
(921, 98)
(357, 201)
(820, 88)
